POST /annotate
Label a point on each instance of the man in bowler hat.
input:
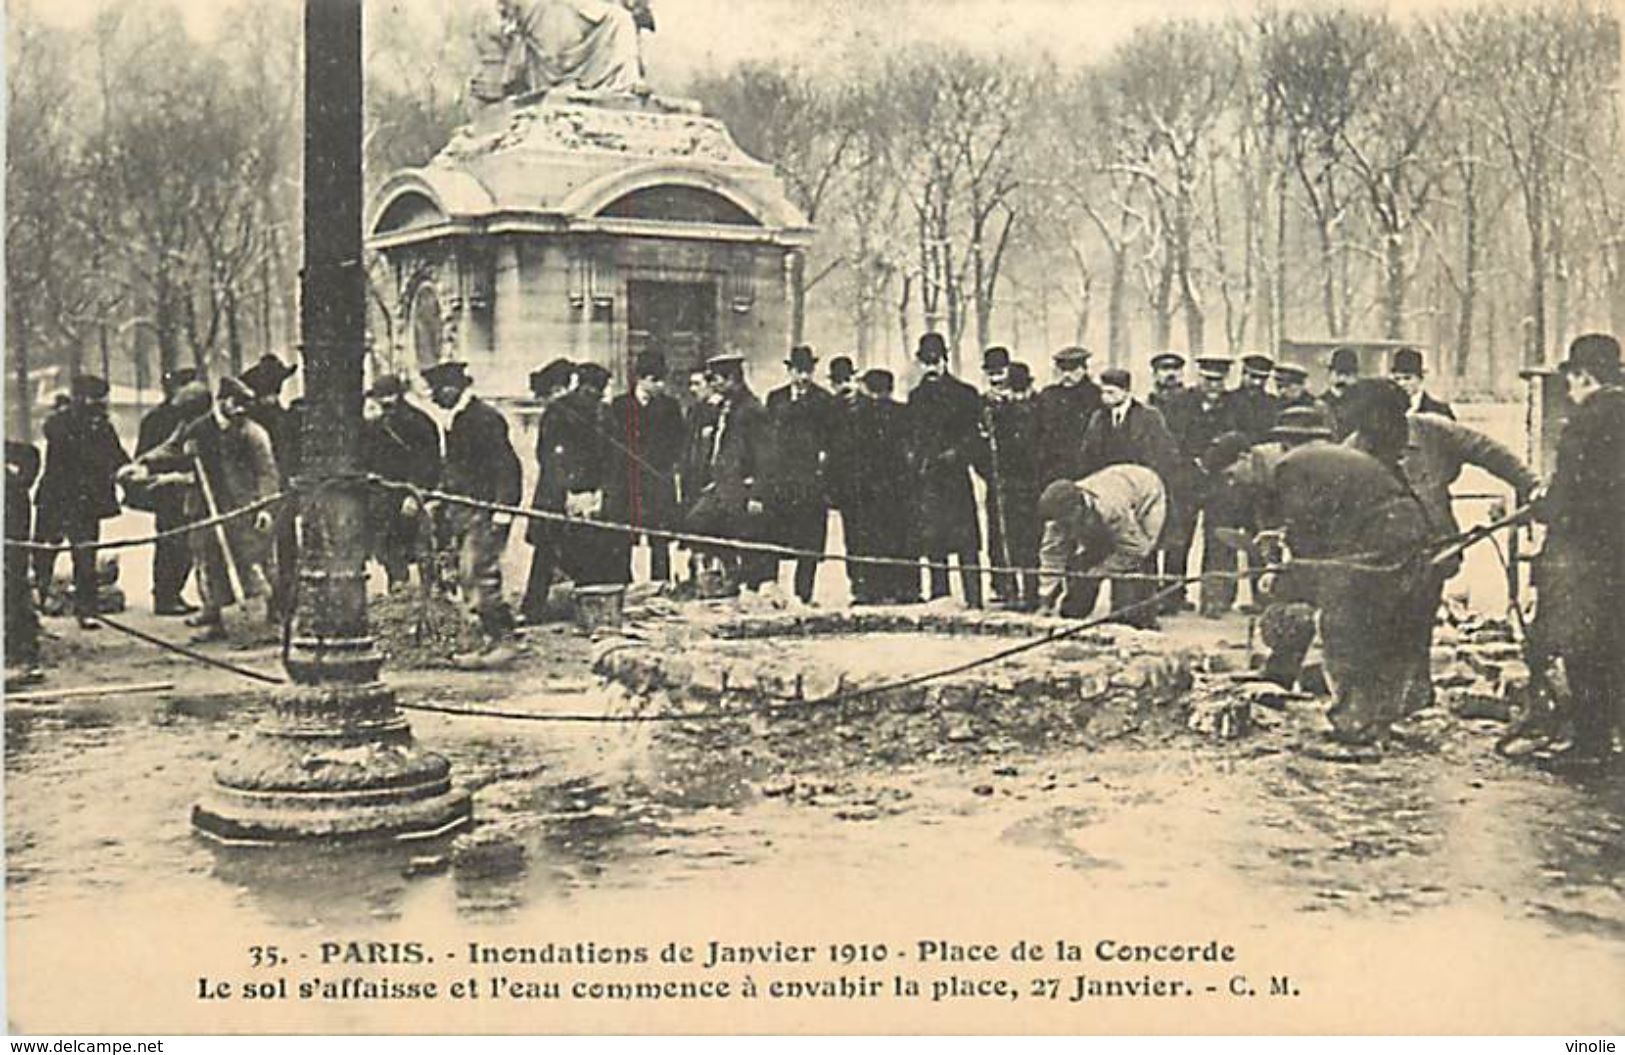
(801, 425)
(1581, 574)
(945, 416)
(1405, 369)
(640, 482)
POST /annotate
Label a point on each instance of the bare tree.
(1317, 73)
(1167, 90)
(1535, 77)
(42, 276)
(1388, 146)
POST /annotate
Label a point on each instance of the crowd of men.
(199, 457)
(1042, 494)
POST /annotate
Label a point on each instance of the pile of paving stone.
(1102, 684)
(1479, 669)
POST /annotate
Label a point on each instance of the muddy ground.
(1439, 888)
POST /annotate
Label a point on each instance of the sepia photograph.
(814, 517)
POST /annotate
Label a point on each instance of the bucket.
(600, 607)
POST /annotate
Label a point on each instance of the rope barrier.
(1355, 562)
(192, 654)
(153, 539)
(782, 704)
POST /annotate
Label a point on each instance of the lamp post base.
(333, 762)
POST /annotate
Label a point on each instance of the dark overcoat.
(480, 460)
(82, 456)
(1064, 412)
(799, 435)
(945, 420)
(640, 479)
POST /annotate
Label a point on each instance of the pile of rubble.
(892, 684)
(1479, 669)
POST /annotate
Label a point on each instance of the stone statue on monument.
(586, 45)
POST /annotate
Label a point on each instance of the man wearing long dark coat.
(1064, 409)
(801, 421)
(846, 458)
(1181, 410)
(1581, 575)
(1010, 421)
(880, 499)
(945, 416)
(548, 385)
(640, 487)
(1222, 507)
(580, 454)
(1253, 407)
(285, 426)
(83, 455)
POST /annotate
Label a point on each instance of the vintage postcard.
(808, 516)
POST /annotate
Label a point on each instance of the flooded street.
(1439, 870)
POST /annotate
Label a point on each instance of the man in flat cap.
(1427, 453)
(1064, 409)
(640, 484)
(1343, 370)
(1362, 528)
(879, 514)
(1405, 369)
(480, 464)
(1253, 407)
(223, 461)
(83, 455)
(1125, 431)
(1292, 387)
(1182, 412)
(801, 426)
(1581, 573)
(171, 557)
(945, 416)
(729, 504)
(1010, 427)
(1106, 523)
(399, 442)
(1222, 507)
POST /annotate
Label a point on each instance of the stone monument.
(579, 214)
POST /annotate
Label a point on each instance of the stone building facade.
(589, 227)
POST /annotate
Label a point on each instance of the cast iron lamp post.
(334, 758)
